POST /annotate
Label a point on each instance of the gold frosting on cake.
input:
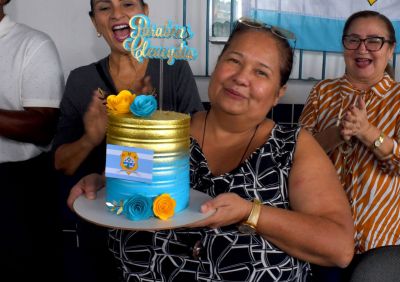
(166, 133)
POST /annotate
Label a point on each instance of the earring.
(98, 34)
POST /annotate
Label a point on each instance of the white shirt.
(30, 76)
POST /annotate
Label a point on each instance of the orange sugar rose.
(120, 103)
(164, 206)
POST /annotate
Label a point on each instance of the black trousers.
(30, 244)
(86, 257)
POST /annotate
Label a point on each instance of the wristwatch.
(249, 226)
(378, 142)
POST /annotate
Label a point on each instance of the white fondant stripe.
(135, 174)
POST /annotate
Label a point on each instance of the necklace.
(248, 144)
(346, 149)
(133, 81)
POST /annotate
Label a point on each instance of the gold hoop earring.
(98, 34)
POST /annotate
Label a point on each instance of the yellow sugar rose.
(164, 206)
(120, 103)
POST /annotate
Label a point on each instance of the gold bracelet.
(249, 226)
(378, 142)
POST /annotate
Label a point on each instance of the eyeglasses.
(278, 31)
(372, 44)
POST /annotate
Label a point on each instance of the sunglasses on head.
(277, 31)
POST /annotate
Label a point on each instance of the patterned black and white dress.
(227, 255)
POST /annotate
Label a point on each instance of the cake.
(147, 162)
(160, 140)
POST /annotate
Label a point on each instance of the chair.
(378, 265)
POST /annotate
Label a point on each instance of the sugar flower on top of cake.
(143, 105)
(125, 102)
(120, 103)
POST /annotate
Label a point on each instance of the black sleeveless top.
(226, 254)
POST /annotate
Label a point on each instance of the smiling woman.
(79, 143)
(273, 213)
(355, 119)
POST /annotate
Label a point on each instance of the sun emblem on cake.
(129, 161)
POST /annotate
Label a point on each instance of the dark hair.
(371, 14)
(284, 47)
(8, 1)
(91, 12)
(384, 19)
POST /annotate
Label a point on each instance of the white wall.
(68, 24)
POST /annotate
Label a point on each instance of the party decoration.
(139, 207)
(140, 46)
(116, 207)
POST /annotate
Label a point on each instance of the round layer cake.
(167, 135)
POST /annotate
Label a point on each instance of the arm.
(318, 229)
(329, 138)
(32, 125)
(40, 89)
(355, 123)
(69, 156)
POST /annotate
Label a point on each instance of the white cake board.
(95, 211)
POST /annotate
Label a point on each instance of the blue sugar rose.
(138, 207)
(143, 105)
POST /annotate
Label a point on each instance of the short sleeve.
(42, 76)
(188, 94)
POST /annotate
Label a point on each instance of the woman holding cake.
(79, 143)
(275, 209)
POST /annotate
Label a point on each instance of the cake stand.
(95, 211)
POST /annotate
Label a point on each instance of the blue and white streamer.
(318, 24)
